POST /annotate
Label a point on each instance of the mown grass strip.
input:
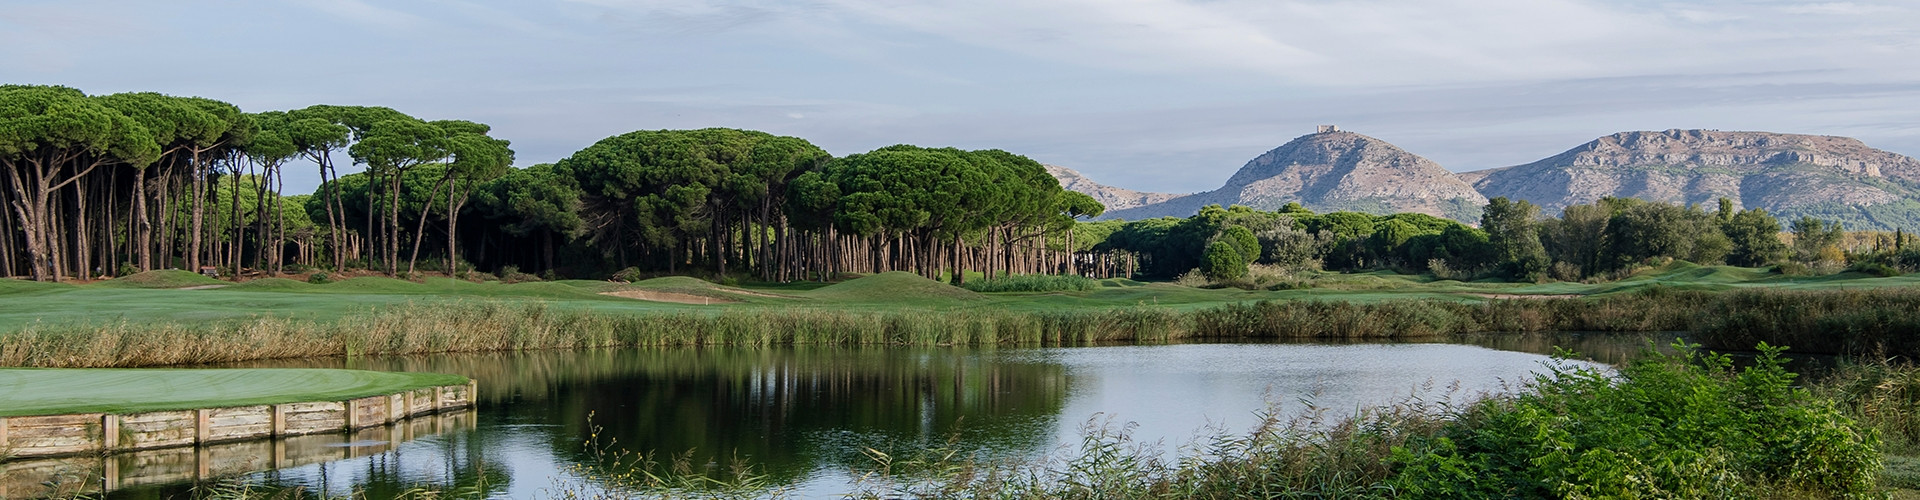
(43, 391)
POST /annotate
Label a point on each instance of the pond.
(803, 415)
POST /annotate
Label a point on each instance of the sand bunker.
(677, 298)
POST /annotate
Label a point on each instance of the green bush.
(630, 275)
(1875, 268)
(1223, 262)
(1034, 283)
(319, 278)
(1669, 426)
(126, 269)
(1793, 269)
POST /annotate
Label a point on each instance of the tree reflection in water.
(787, 410)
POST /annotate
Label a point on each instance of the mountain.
(1333, 170)
(1114, 198)
(1790, 175)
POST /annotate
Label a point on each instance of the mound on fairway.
(272, 284)
(896, 286)
(373, 284)
(46, 391)
(687, 285)
(162, 278)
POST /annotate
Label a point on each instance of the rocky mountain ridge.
(1790, 175)
(1333, 170)
(1113, 198)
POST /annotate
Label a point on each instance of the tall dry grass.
(1810, 321)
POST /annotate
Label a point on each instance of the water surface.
(802, 415)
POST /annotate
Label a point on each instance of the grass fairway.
(36, 391)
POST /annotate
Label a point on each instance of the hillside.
(1333, 170)
(1790, 175)
(1114, 198)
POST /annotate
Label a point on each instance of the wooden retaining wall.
(95, 473)
(57, 435)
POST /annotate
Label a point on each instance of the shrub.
(1875, 268)
(1443, 271)
(1566, 271)
(1792, 269)
(319, 278)
(1677, 426)
(126, 269)
(1223, 262)
(1034, 283)
(629, 275)
(1192, 278)
(512, 274)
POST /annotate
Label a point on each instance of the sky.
(1154, 95)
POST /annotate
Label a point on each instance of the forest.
(105, 185)
(1605, 240)
(109, 185)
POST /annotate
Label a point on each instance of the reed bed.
(1850, 321)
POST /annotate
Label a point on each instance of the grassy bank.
(509, 325)
(34, 391)
(150, 320)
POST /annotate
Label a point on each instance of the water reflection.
(801, 414)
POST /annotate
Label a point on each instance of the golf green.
(37, 391)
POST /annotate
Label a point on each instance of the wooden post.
(353, 413)
(279, 420)
(109, 474)
(3, 432)
(109, 432)
(202, 462)
(473, 393)
(202, 426)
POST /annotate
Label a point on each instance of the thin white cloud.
(1839, 9)
(367, 14)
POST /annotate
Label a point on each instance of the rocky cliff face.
(1112, 197)
(1787, 174)
(1333, 170)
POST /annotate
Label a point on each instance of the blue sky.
(1160, 95)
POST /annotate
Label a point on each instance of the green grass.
(44, 391)
(154, 297)
(1034, 283)
(166, 278)
(893, 287)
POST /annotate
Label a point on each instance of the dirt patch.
(677, 298)
(1513, 296)
(201, 287)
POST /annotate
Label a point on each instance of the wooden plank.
(279, 420)
(3, 439)
(244, 422)
(396, 407)
(157, 429)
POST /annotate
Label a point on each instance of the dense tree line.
(112, 184)
(122, 183)
(1514, 241)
